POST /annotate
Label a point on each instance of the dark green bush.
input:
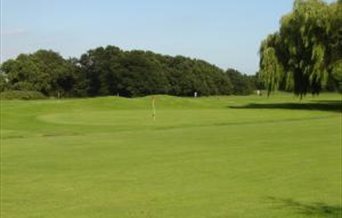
(21, 95)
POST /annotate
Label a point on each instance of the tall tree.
(242, 84)
(43, 71)
(306, 50)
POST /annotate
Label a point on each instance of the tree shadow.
(316, 209)
(332, 106)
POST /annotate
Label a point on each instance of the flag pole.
(154, 108)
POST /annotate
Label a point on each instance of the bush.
(21, 95)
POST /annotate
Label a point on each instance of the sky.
(226, 33)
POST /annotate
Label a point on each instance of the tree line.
(305, 55)
(109, 70)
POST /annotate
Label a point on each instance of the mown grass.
(206, 157)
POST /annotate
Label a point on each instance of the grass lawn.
(215, 157)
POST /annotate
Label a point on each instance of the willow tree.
(270, 61)
(306, 50)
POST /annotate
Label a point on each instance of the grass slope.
(208, 157)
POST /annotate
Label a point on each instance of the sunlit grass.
(207, 157)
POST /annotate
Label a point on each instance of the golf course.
(217, 157)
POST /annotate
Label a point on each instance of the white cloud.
(14, 32)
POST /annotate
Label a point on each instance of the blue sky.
(226, 33)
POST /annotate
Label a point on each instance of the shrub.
(21, 95)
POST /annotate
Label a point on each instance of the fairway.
(214, 157)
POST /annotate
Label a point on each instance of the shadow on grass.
(317, 209)
(332, 106)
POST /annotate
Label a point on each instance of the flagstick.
(153, 108)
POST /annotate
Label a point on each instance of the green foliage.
(21, 95)
(242, 84)
(304, 52)
(111, 71)
(272, 70)
(336, 74)
(257, 82)
(106, 71)
(140, 73)
(3, 82)
(43, 71)
(187, 76)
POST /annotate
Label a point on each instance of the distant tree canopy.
(133, 73)
(306, 53)
(43, 71)
(111, 71)
(242, 83)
